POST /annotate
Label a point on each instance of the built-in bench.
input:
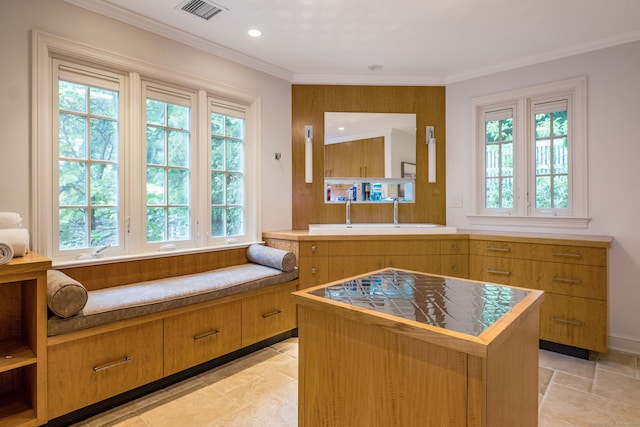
(151, 319)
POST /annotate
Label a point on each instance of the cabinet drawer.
(411, 247)
(513, 272)
(313, 271)
(454, 265)
(571, 279)
(268, 312)
(97, 367)
(357, 247)
(492, 248)
(454, 247)
(311, 249)
(571, 254)
(347, 266)
(574, 321)
(199, 336)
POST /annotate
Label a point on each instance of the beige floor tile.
(262, 386)
(618, 362)
(573, 381)
(618, 387)
(568, 364)
(267, 412)
(572, 407)
(544, 377)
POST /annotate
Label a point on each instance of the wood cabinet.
(362, 158)
(573, 277)
(100, 366)
(197, 336)
(23, 346)
(268, 312)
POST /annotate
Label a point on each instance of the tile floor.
(261, 390)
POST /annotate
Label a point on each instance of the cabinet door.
(313, 271)
(268, 312)
(202, 335)
(454, 265)
(97, 367)
(347, 266)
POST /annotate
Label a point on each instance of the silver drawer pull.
(455, 247)
(499, 249)
(207, 334)
(569, 322)
(504, 273)
(272, 313)
(313, 248)
(561, 279)
(314, 270)
(566, 255)
(112, 364)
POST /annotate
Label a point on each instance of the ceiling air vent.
(202, 9)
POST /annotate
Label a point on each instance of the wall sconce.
(308, 154)
(431, 143)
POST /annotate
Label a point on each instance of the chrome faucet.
(348, 208)
(396, 201)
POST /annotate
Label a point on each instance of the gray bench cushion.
(138, 299)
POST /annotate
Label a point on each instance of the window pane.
(72, 136)
(217, 222)
(492, 193)
(492, 160)
(561, 191)
(104, 227)
(72, 97)
(235, 225)
(178, 116)
(72, 229)
(178, 187)
(156, 145)
(72, 183)
(217, 188)
(217, 124)
(543, 192)
(234, 189)
(543, 157)
(560, 155)
(156, 112)
(155, 186)
(235, 155)
(506, 168)
(217, 154)
(103, 103)
(178, 224)
(104, 184)
(155, 224)
(104, 139)
(560, 123)
(492, 130)
(234, 127)
(543, 125)
(507, 193)
(178, 148)
(506, 133)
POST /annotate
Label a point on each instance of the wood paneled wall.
(310, 102)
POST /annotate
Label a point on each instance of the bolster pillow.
(65, 296)
(272, 257)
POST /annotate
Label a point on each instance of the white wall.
(18, 18)
(614, 163)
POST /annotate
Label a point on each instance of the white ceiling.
(416, 41)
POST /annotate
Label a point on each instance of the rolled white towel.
(10, 220)
(18, 238)
(6, 252)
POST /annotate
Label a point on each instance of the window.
(530, 150)
(131, 159)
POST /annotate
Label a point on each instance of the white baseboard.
(626, 345)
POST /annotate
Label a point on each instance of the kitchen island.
(399, 348)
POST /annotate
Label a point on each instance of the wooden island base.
(361, 368)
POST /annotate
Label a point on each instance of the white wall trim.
(627, 345)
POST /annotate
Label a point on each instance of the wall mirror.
(363, 149)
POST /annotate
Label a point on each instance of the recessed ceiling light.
(254, 32)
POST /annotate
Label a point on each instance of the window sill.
(528, 221)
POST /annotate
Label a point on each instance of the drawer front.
(571, 254)
(513, 272)
(454, 247)
(202, 335)
(421, 263)
(574, 321)
(347, 266)
(492, 248)
(411, 247)
(313, 271)
(311, 249)
(268, 313)
(571, 279)
(95, 368)
(454, 265)
(357, 247)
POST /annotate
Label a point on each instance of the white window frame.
(523, 102)
(46, 47)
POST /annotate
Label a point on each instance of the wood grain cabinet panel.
(341, 267)
(313, 271)
(574, 321)
(268, 312)
(454, 265)
(196, 337)
(91, 369)
(421, 263)
(571, 279)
